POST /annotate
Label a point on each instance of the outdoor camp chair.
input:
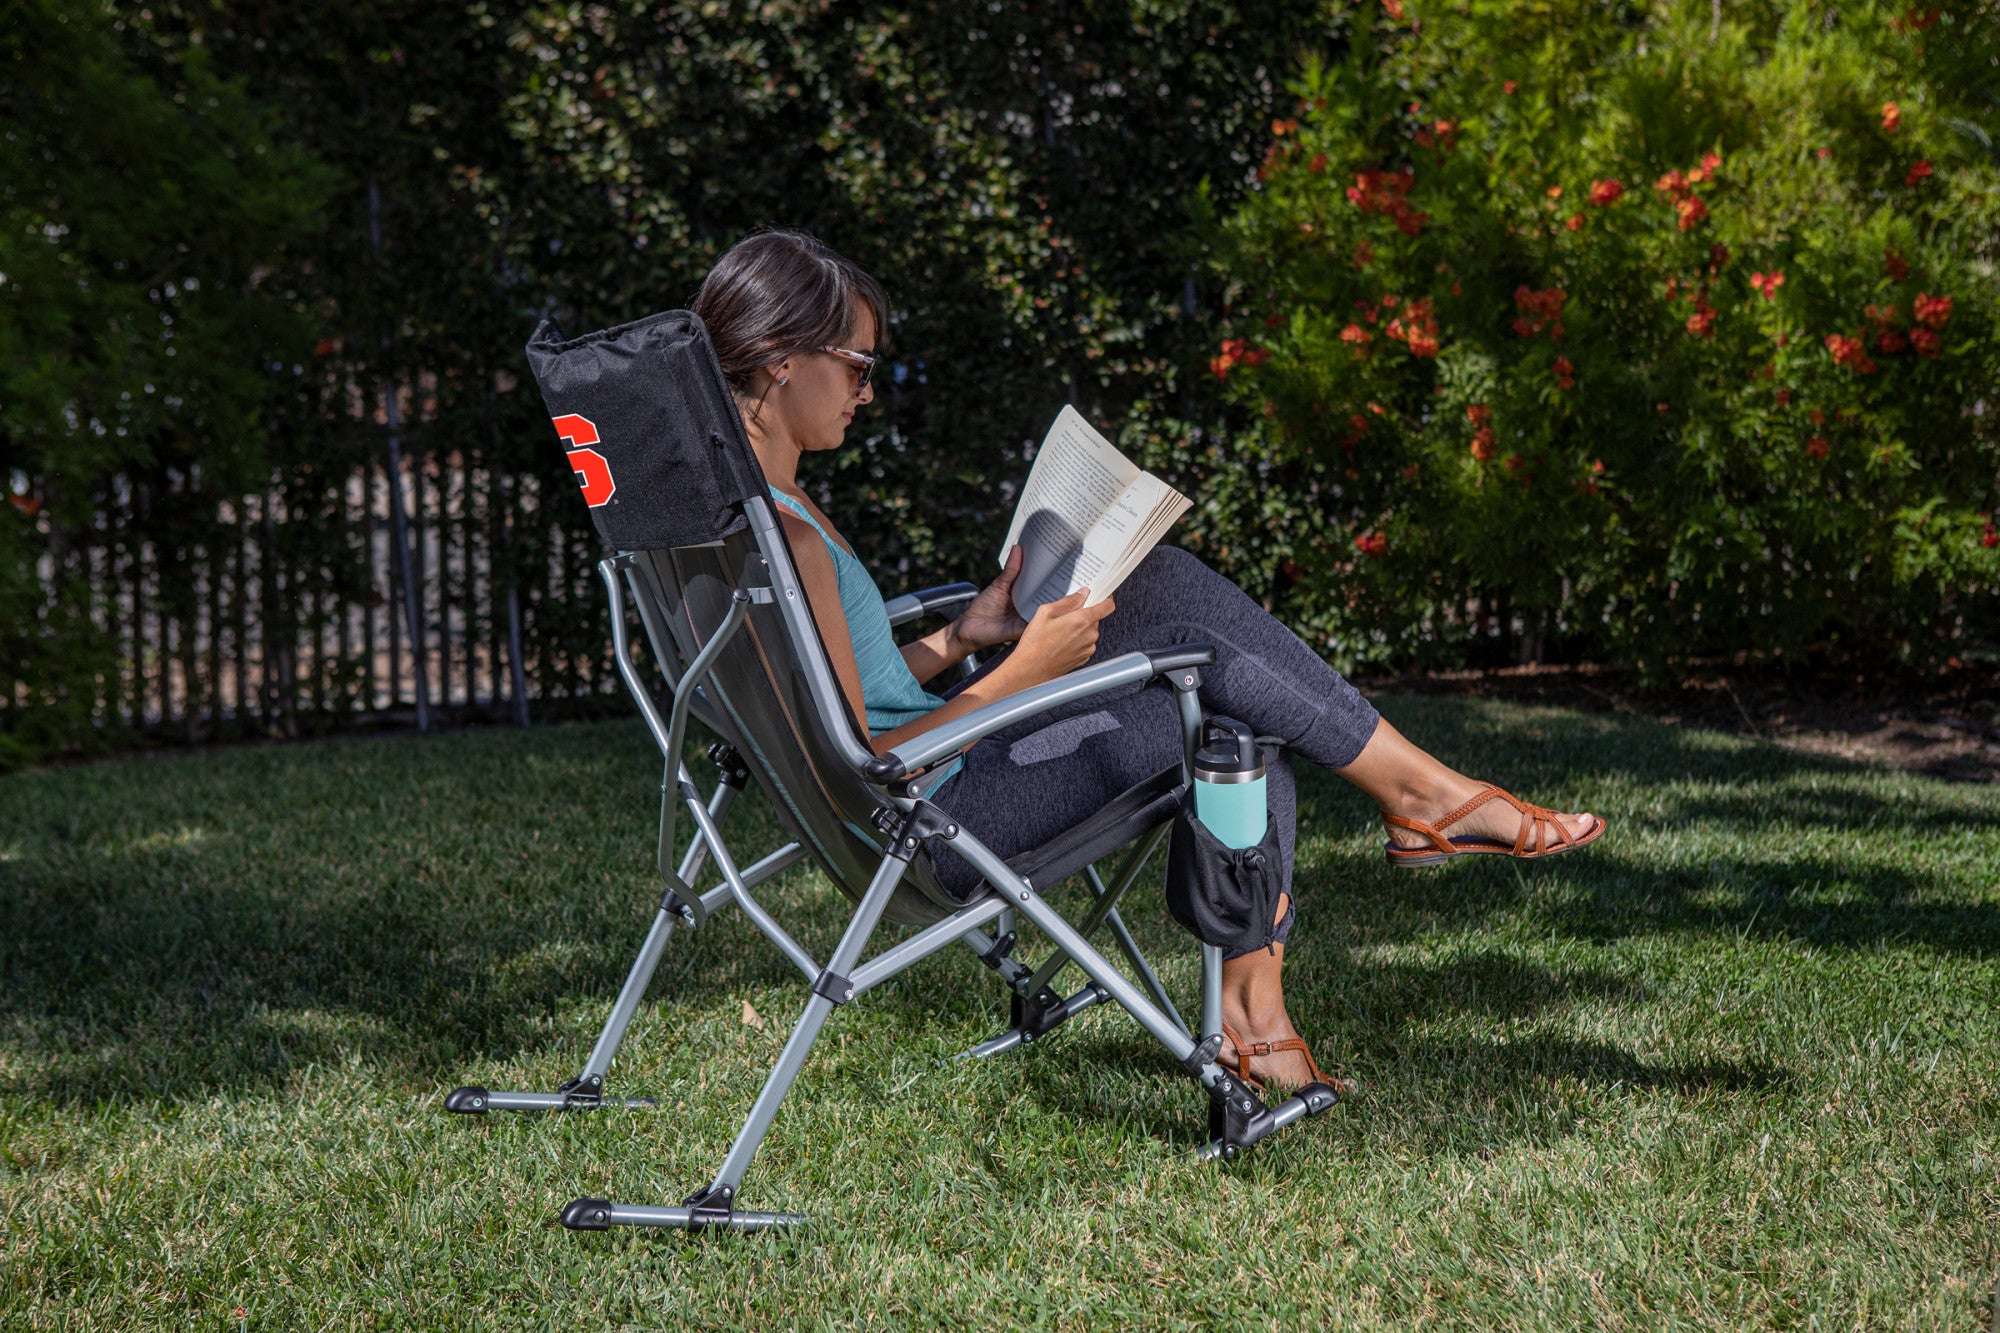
(701, 556)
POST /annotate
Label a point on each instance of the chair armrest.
(926, 601)
(942, 742)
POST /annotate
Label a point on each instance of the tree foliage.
(151, 223)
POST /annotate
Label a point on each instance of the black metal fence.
(287, 611)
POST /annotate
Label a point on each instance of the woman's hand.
(1060, 638)
(990, 618)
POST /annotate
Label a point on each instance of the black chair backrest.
(672, 482)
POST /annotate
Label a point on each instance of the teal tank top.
(889, 693)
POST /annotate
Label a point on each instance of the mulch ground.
(1948, 727)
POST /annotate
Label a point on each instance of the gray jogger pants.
(1023, 786)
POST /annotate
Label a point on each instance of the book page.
(1133, 526)
(1078, 475)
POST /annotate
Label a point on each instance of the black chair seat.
(1127, 817)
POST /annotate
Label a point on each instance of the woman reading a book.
(795, 326)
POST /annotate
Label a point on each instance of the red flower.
(1555, 192)
(1256, 356)
(1825, 153)
(1383, 192)
(1710, 161)
(1816, 416)
(325, 347)
(1541, 309)
(29, 505)
(1395, 9)
(1605, 193)
(1895, 266)
(1784, 397)
(1373, 544)
(1892, 117)
(1565, 373)
(1232, 354)
(1817, 446)
(1989, 537)
(1481, 417)
(1889, 342)
(1575, 222)
(1673, 183)
(1702, 322)
(1364, 255)
(1356, 337)
(1318, 164)
(1691, 210)
(1508, 87)
(1850, 352)
(1925, 341)
(1281, 128)
(1767, 283)
(1918, 170)
(1933, 311)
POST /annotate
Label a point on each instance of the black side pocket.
(1221, 895)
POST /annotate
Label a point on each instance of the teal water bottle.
(1229, 783)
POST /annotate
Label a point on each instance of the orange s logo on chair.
(593, 474)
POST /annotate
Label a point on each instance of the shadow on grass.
(171, 927)
(1431, 1095)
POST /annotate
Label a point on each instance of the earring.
(783, 380)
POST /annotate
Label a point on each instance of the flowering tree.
(1651, 332)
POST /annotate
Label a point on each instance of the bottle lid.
(1228, 752)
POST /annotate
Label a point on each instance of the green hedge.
(1640, 332)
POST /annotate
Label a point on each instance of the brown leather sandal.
(1543, 823)
(1245, 1051)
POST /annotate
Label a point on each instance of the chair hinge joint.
(735, 773)
(1203, 1054)
(830, 985)
(996, 956)
(923, 822)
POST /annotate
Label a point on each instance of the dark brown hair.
(779, 293)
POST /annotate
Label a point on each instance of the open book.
(1086, 518)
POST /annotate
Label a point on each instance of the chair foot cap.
(467, 1101)
(587, 1215)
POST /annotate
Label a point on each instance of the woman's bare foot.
(1496, 819)
(1407, 781)
(1253, 1009)
(1279, 1069)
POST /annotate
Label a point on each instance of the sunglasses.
(863, 363)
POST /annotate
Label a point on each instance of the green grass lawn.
(1736, 1067)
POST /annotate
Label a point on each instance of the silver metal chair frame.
(700, 651)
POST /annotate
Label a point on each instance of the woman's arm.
(1060, 639)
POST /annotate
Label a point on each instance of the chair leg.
(1238, 1118)
(1036, 1008)
(714, 1205)
(585, 1091)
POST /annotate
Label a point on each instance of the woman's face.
(819, 398)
